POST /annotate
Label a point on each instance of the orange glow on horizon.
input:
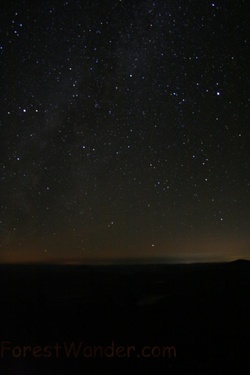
(191, 251)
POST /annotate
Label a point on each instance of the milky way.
(124, 130)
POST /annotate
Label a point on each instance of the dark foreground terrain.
(148, 319)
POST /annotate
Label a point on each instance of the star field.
(124, 130)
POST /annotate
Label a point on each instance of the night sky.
(124, 130)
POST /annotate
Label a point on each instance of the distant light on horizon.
(198, 251)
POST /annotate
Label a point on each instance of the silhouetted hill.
(241, 262)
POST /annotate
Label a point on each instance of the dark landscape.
(125, 319)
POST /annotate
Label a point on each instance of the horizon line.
(127, 261)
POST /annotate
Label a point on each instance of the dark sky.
(124, 130)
